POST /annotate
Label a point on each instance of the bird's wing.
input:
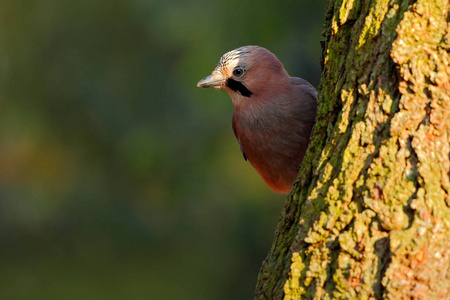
(237, 136)
(243, 154)
(304, 84)
(299, 81)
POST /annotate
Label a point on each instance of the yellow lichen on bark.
(369, 217)
(420, 257)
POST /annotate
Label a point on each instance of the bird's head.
(249, 72)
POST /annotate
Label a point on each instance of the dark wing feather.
(237, 137)
(243, 154)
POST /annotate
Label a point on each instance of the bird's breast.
(265, 139)
(274, 139)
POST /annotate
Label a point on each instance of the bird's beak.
(216, 79)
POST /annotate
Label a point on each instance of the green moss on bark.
(369, 215)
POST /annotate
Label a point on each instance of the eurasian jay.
(274, 113)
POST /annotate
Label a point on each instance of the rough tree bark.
(369, 215)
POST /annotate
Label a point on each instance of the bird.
(274, 112)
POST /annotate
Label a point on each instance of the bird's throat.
(237, 86)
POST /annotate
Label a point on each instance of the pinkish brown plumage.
(274, 113)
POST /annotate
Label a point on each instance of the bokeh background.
(119, 178)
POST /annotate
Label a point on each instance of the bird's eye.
(238, 72)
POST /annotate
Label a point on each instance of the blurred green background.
(119, 178)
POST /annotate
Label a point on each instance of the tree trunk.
(369, 215)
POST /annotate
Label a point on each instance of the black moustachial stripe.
(239, 87)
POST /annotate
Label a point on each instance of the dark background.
(119, 178)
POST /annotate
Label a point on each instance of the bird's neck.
(258, 115)
(259, 99)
